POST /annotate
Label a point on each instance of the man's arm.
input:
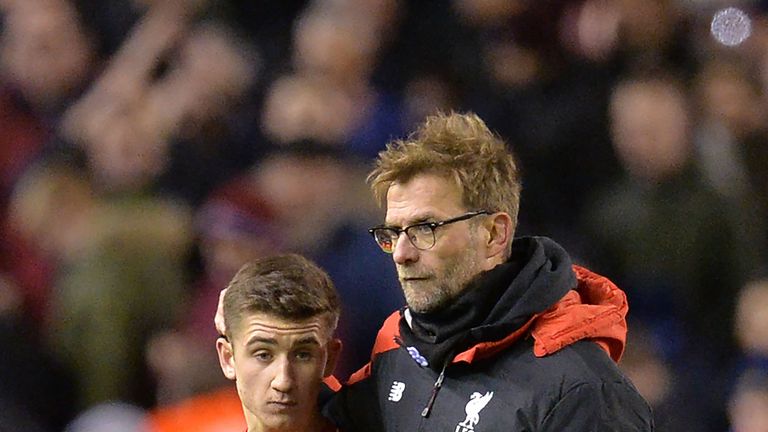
(355, 408)
(603, 407)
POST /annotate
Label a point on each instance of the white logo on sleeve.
(396, 392)
(476, 404)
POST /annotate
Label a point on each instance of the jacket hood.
(596, 310)
(495, 303)
(538, 291)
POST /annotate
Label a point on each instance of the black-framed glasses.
(421, 235)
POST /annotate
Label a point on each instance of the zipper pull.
(435, 388)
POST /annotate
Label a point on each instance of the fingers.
(218, 320)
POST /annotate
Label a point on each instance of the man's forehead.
(422, 197)
(270, 326)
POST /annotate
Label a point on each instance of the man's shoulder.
(580, 374)
(582, 362)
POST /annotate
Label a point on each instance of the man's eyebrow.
(421, 219)
(261, 339)
(309, 340)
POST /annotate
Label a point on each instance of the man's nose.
(283, 380)
(404, 252)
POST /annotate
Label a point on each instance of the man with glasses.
(497, 335)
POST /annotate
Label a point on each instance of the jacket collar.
(538, 292)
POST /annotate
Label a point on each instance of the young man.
(498, 335)
(280, 314)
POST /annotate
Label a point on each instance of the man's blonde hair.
(461, 148)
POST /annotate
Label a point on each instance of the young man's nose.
(283, 380)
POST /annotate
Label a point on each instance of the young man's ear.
(334, 349)
(500, 229)
(226, 357)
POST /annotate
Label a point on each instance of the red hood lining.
(595, 310)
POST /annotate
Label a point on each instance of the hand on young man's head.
(218, 319)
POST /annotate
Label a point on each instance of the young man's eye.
(263, 355)
(304, 355)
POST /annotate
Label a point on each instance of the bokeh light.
(731, 26)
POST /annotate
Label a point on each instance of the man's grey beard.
(448, 296)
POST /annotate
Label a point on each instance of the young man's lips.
(280, 405)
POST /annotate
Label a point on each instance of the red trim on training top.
(385, 341)
(488, 349)
(596, 310)
(332, 383)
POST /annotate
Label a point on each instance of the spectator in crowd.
(119, 277)
(25, 369)
(748, 405)
(645, 362)
(47, 57)
(330, 96)
(748, 399)
(731, 137)
(670, 239)
(752, 326)
(48, 54)
(162, 97)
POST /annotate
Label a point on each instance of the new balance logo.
(396, 392)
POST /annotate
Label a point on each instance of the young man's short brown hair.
(286, 286)
(461, 148)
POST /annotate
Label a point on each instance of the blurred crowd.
(148, 148)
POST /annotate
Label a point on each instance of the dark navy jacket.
(532, 346)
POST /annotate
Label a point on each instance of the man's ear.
(500, 229)
(334, 349)
(226, 357)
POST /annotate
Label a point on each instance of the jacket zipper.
(435, 388)
(438, 383)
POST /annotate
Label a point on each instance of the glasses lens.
(385, 238)
(421, 236)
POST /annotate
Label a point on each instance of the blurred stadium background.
(149, 147)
